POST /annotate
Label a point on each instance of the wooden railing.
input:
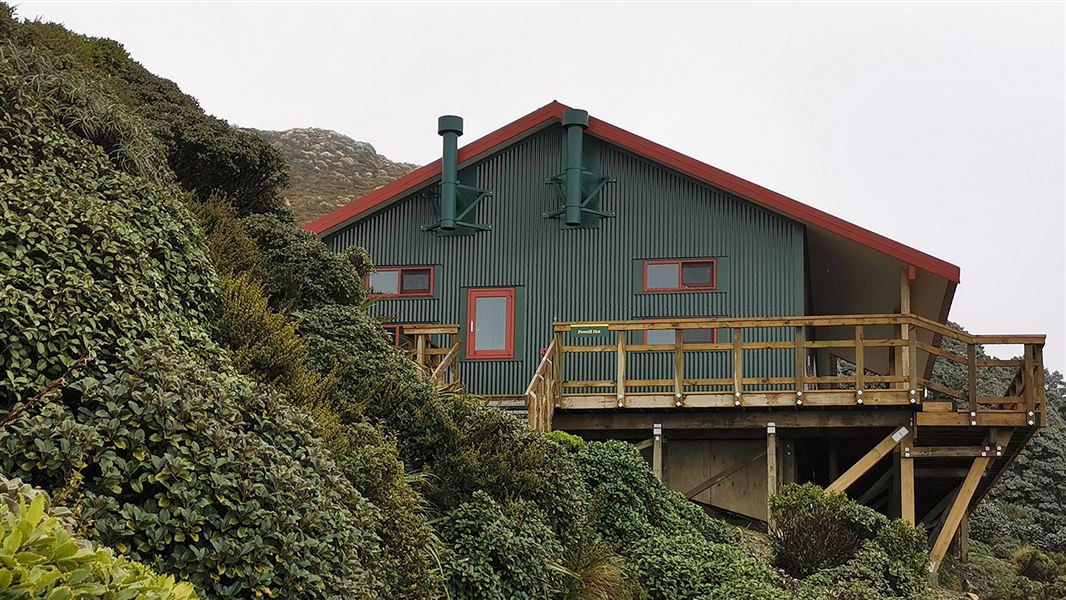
(888, 353)
(435, 348)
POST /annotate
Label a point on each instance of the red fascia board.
(656, 153)
(425, 175)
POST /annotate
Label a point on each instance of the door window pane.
(662, 276)
(660, 336)
(490, 325)
(415, 281)
(697, 274)
(385, 282)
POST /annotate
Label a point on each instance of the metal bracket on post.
(456, 200)
(578, 188)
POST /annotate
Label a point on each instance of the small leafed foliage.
(41, 558)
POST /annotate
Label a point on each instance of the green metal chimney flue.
(450, 127)
(575, 122)
(457, 196)
(578, 187)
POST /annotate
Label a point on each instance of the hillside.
(328, 169)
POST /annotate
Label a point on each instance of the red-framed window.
(401, 282)
(490, 323)
(655, 337)
(700, 274)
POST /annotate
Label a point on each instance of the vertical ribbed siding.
(593, 274)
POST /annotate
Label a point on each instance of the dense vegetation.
(195, 379)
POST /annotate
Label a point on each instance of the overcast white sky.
(941, 125)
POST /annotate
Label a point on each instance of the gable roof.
(553, 113)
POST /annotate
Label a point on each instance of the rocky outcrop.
(328, 169)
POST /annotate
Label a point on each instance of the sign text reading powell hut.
(588, 329)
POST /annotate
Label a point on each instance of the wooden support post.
(657, 451)
(801, 363)
(963, 538)
(906, 480)
(771, 464)
(972, 368)
(865, 463)
(860, 363)
(620, 384)
(679, 368)
(420, 350)
(958, 510)
(1041, 384)
(738, 365)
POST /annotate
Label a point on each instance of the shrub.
(41, 558)
(301, 272)
(813, 529)
(571, 442)
(233, 251)
(92, 257)
(688, 567)
(842, 547)
(203, 475)
(500, 551)
(1034, 564)
(629, 504)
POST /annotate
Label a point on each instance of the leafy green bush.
(814, 530)
(41, 558)
(840, 546)
(203, 475)
(91, 257)
(502, 551)
(301, 272)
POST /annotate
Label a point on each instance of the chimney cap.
(574, 116)
(450, 123)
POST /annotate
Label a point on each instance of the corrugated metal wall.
(592, 274)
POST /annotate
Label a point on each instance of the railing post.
(801, 363)
(420, 352)
(860, 363)
(557, 368)
(657, 451)
(738, 366)
(910, 360)
(620, 383)
(679, 367)
(1029, 384)
(971, 364)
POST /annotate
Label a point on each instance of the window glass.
(490, 314)
(698, 336)
(415, 281)
(697, 274)
(660, 336)
(662, 276)
(385, 282)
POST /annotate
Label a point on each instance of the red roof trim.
(689, 166)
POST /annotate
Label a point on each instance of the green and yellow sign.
(588, 329)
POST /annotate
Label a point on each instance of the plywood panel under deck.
(690, 462)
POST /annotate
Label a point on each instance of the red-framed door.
(490, 323)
